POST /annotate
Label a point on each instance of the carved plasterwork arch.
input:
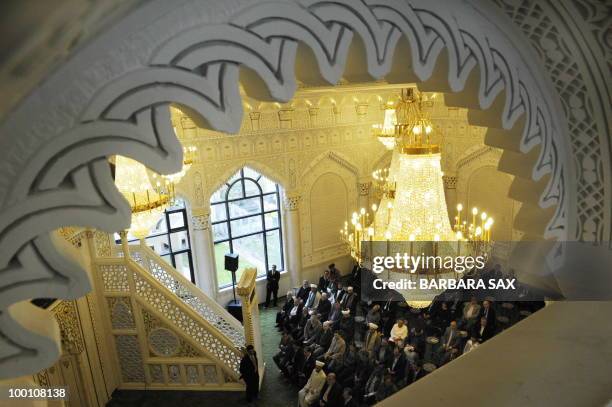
(113, 97)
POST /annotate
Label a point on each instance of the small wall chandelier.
(412, 204)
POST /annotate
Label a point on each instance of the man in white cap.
(310, 392)
(313, 297)
(347, 325)
(372, 339)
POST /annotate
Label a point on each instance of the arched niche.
(321, 216)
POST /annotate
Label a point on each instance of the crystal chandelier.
(166, 184)
(147, 203)
(412, 204)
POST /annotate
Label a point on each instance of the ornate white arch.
(112, 97)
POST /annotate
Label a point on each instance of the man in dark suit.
(347, 398)
(284, 312)
(488, 312)
(324, 307)
(415, 372)
(482, 331)
(349, 301)
(331, 394)
(273, 278)
(304, 368)
(249, 372)
(304, 291)
(397, 367)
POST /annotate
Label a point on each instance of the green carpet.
(275, 390)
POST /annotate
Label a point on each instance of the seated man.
(482, 331)
(312, 389)
(372, 339)
(373, 316)
(349, 301)
(373, 383)
(313, 297)
(450, 339)
(384, 352)
(331, 393)
(471, 310)
(344, 370)
(325, 339)
(340, 292)
(293, 318)
(335, 352)
(347, 325)
(324, 281)
(304, 291)
(335, 315)
(285, 346)
(303, 367)
(312, 330)
(280, 315)
(324, 307)
(397, 367)
(399, 332)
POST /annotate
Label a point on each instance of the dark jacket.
(334, 398)
(273, 278)
(248, 372)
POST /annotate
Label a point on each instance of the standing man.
(249, 372)
(273, 278)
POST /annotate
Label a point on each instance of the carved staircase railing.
(165, 332)
(188, 293)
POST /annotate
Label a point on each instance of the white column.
(203, 253)
(293, 244)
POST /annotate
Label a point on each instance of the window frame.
(169, 230)
(263, 230)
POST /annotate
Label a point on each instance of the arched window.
(169, 238)
(246, 219)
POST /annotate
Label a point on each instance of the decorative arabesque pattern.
(130, 358)
(229, 356)
(155, 371)
(163, 342)
(550, 40)
(190, 295)
(199, 68)
(114, 277)
(121, 313)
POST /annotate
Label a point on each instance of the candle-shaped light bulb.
(362, 211)
(474, 211)
(388, 235)
(374, 207)
(459, 235)
(370, 232)
(483, 216)
(389, 205)
(459, 207)
(436, 237)
(411, 237)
